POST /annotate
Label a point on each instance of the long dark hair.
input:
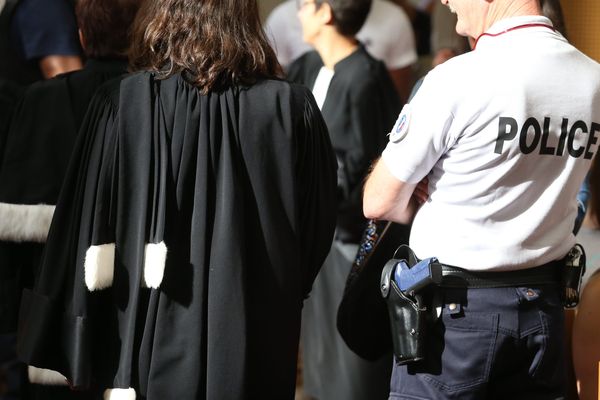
(216, 43)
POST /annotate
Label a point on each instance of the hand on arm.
(386, 197)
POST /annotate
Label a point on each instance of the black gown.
(360, 108)
(239, 188)
(33, 164)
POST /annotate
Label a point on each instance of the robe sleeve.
(317, 176)
(54, 324)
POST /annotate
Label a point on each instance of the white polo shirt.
(506, 134)
(387, 34)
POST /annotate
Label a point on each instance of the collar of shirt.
(512, 24)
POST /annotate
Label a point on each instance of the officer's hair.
(349, 15)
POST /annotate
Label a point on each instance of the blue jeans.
(499, 343)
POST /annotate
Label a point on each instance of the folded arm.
(388, 198)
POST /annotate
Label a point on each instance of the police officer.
(505, 135)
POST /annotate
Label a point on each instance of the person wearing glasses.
(387, 34)
(358, 102)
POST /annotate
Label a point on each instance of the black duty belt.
(547, 274)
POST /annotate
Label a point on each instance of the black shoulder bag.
(362, 319)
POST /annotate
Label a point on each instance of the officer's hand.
(421, 193)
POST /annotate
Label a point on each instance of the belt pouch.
(407, 319)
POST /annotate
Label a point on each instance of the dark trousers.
(499, 343)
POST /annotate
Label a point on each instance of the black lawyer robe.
(38, 146)
(360, 109)
(240, 186)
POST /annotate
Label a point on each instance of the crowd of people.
(184, 191)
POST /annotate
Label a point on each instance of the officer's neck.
(508, 9)
(333, 47)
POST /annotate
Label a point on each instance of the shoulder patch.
(400, 129)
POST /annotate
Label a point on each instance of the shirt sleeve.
(422, 133)
(45, 27)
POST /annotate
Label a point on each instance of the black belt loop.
(547, 274)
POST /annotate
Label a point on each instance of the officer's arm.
(385, 197)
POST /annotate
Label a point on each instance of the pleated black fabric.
(240, 185)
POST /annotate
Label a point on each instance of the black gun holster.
(408, 315)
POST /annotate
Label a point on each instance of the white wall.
(265, 7)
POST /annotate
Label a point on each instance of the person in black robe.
(39, 143)
(195, 215)
(359, 105)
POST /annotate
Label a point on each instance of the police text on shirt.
(534, 135)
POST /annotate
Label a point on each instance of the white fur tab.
(24, 222)
(43, 376)
(119, 394)
(155, 256)
(99, 266)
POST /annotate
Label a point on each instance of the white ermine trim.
(99, 266)
(43, 376)
(119, 394)
(25, 223)
(155, 256)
